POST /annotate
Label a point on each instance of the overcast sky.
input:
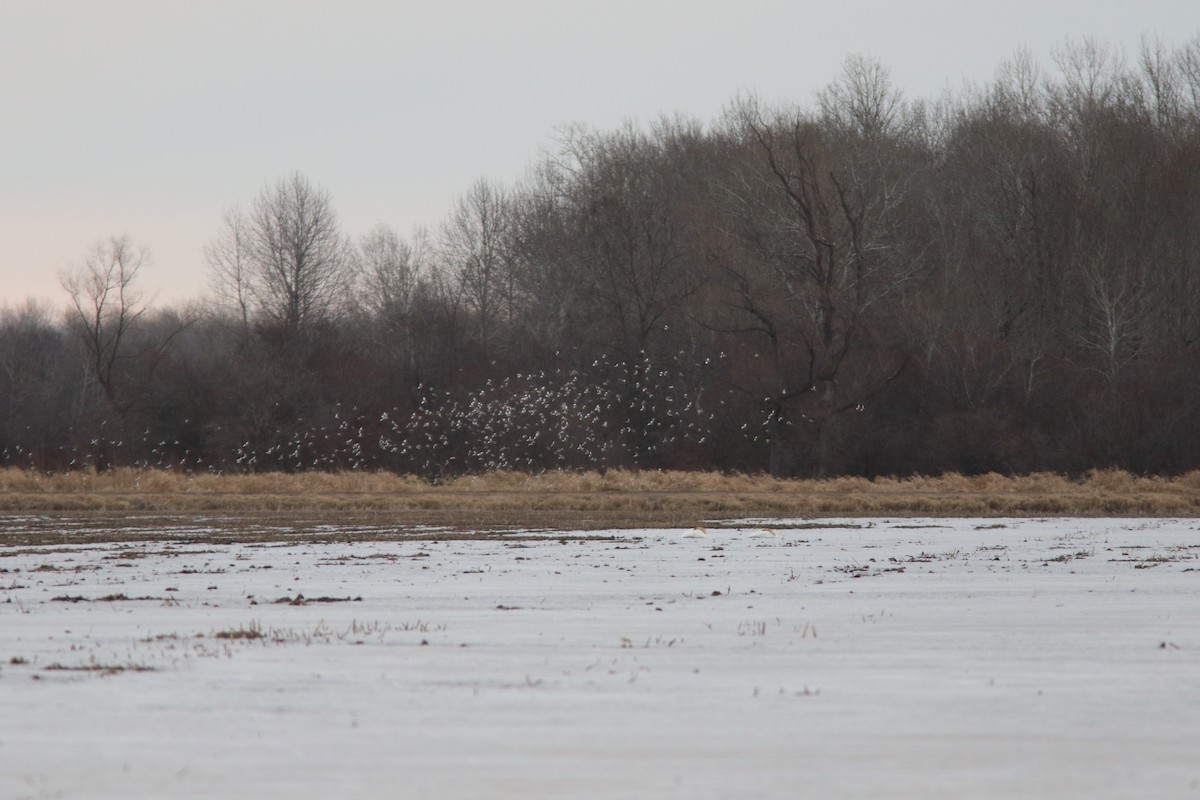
(148, 117)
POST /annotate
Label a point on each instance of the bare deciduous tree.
(634, 247)
(229, 264)
(862, 98)
(545, 263)
(288, 256)
(391, 269)
(105, 305)
(473, 249)
(815, 249)
(38, 379)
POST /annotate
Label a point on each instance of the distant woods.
(1006, 279)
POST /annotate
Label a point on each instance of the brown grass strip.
(382, 505)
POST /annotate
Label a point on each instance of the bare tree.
(105, 306)
(862, 98)
(38, 382)
(1020, 86)
(473, 249)
(634, 247)
(992, 317)
(545, 264)
(1116, 306)
(1187, 58)
(1163, 78)
(229, 263)
(391, 268)
(302, 265)
(1092, 75)
(392, 278)
(815, 245)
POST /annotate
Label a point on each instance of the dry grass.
(587, 501)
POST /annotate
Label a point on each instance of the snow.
(847, 658)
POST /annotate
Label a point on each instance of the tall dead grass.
(613, 494)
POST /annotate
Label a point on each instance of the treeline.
(1007, 279)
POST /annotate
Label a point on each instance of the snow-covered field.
(843, 659)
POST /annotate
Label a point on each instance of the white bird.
(765, 533)
(696, 533)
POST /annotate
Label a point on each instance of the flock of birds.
(564, 419)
